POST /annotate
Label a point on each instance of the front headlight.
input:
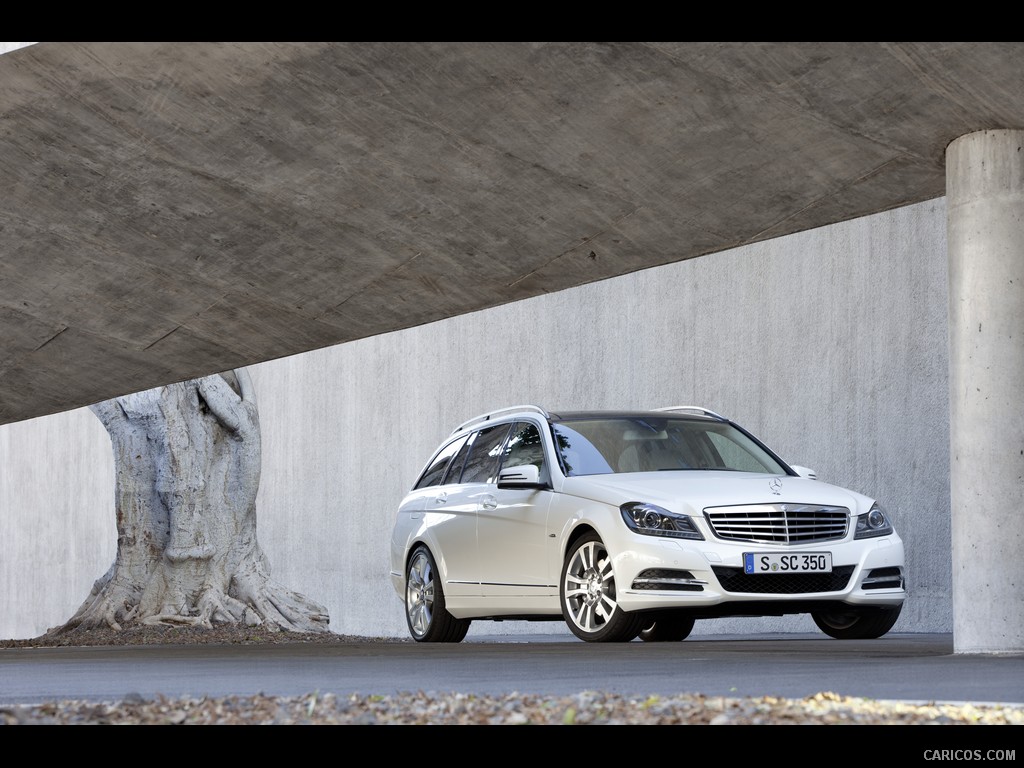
(874, 523)
(652, 520)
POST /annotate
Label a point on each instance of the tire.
(666, 629)
(425, 612)
(587, 593)
(865, 624)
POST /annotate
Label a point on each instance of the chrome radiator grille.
(779, 523)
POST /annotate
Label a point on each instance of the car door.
(449, 519)
(516, 553)
(460, 504)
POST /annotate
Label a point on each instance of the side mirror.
(523, 476)
(810, 474)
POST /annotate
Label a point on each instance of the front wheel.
(425, 612)
(867, 624)
(588, 595)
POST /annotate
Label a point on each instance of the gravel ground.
(453, 708)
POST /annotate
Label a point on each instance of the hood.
(691, 491)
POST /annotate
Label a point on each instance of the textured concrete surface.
(986, 327)
(171, 210)
(829, 344)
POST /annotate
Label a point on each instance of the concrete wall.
(831, 345)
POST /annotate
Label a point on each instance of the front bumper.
(708, 577)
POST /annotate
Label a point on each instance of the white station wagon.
(628, 524)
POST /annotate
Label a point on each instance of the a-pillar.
(985, 209)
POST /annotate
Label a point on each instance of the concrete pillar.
(985, 231)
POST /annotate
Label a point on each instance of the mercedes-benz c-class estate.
(635, 524)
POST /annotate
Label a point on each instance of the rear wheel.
(857, 624)
(666, 629)
(425, 612)
(588, 595)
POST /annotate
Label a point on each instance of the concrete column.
(985, 231)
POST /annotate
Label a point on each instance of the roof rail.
(483, 417)
(696, 408)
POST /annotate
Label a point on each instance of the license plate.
(778, 562)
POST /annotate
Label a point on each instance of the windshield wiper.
(699, 469)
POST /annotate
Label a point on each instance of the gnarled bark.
(187, 462)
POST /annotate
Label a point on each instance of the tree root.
(275, 608)
(282, 607)
(218, 607)
(102, 608)
(176, 620)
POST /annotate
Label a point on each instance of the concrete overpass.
(174, 210)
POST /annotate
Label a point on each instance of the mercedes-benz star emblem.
(776, 485)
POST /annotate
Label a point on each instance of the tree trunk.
(187, 462)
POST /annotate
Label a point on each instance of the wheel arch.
(416, 543)
(575, 534)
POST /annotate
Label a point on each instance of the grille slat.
(779, 523)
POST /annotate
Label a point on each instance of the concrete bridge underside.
(171, 210)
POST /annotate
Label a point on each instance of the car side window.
(433, 474)
(482, 462)
(524, 447)
(454, 471)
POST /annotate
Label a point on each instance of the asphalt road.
(907, 667)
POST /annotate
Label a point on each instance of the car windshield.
(598, 446)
